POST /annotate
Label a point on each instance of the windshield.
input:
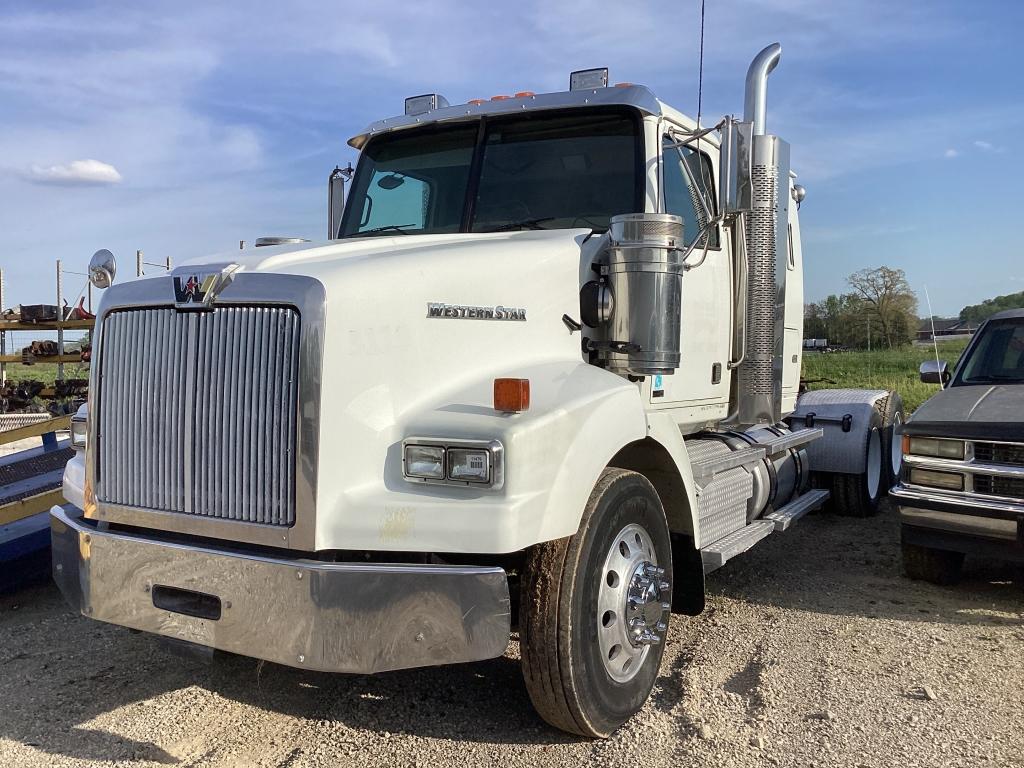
(507, 173)
(997, 356)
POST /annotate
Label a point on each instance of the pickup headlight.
(453, 462)
(79, 428)
(938, 448)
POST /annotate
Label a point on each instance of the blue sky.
(183, 127)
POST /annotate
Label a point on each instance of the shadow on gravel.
(73, 671)
(853, 567)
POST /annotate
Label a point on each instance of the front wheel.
(594, 609)
(937, 566)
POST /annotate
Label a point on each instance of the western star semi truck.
(542, 377)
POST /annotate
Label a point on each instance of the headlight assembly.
(452, 461)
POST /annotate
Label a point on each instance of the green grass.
(881, 369)
(45, 372)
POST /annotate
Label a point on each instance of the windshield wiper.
(386, 228)
(521, 224)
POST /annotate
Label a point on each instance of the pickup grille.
(993, 485)
(999, 453)
(197, 412)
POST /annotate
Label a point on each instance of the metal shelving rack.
(59, 326)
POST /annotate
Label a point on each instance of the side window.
(682, 198)
(395, 199)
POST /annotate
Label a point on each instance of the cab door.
(702, 378)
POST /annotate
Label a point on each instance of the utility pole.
(60, 324)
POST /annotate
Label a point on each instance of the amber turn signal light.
(511, 395)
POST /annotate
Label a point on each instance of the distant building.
(945, 327)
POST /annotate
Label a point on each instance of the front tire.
(594, 610)
(938, 566)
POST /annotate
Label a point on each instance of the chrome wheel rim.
(630, 603)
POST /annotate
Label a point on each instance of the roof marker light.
(476, 102)
(524, 94)
(500, 97)
(419, 105)
(586, 79)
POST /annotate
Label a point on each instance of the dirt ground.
(814, 651)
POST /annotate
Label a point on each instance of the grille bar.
(197, 412)
(999, 453)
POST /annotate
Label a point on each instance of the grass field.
(45, 372)
(881, 369)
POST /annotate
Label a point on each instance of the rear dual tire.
(585, 602)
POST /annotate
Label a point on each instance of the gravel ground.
(814, 651)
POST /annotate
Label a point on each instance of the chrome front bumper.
(332, 617)
(961, 522)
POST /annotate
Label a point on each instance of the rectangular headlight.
(79, 432)
(424, 461)
(950, 481)
(469, 465)
(941, 449)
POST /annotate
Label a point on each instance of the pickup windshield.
(997, 357)
(505, 173)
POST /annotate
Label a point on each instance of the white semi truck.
(543, 375)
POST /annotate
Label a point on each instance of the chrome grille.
(197, 412)
(999, 453)
(993, 485)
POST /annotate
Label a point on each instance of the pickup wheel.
(594, 610)
(939, 566)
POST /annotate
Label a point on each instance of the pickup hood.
(979, 411)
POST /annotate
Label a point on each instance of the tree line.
(975, 313)
(880, 311)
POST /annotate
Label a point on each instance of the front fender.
(579, 418)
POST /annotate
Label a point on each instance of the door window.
(683, 198)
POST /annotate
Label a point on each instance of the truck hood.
(979, 411)
(312, 258)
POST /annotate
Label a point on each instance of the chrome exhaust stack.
(755, 99)
(762, 189)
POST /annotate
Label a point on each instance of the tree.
(888, 303)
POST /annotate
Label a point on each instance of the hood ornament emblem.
(197, 290)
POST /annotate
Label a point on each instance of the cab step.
(784, 442)
(789, 514)
(715, 555)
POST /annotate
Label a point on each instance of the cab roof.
(636, 96)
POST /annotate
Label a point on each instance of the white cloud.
(950, 153)
(987, 146)
(77, 172)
